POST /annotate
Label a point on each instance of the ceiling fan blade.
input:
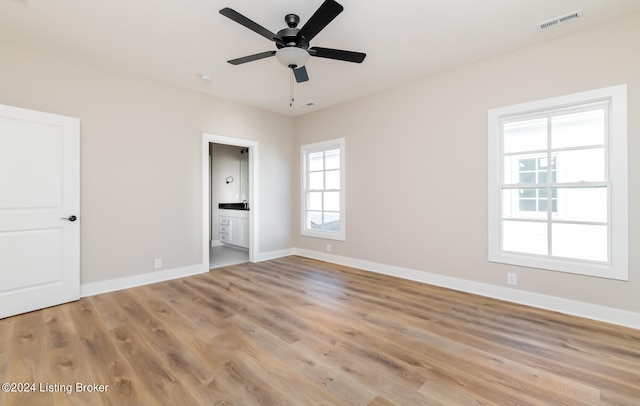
(323, 16)
(338, 54)
(251, 58)
(301, 74)
(253, 26)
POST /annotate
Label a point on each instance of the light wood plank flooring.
(295, 331)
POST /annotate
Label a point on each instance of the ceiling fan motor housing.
(291, 38)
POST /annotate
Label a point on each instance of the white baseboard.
(216, 243)
(111, 285)
(265, 256)
(96, 288)
(572, 307)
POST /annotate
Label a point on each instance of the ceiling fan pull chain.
(291, 87)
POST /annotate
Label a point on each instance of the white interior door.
(39, 194)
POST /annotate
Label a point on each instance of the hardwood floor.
(295, 331)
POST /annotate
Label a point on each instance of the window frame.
(305, 150)
(616, 181)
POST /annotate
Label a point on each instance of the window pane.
(332, 159)
(314, 220)
(515, 206)
(329, 222)
(528, 164)
(579, 241)
(527, 177)
(542, 163)
(582, 204)
(578, 129)
(316, 181)
(316, 161)
(333, 179)
(314, 201)
(525, 237)
(521, 168)
(542, 177)
(332, 221)
(332, 201)
(529, 135)
(527, 193)
(527, 205)
(542, 205)
(581, 165)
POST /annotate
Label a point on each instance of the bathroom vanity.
(234, 226)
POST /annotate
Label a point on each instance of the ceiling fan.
(293, 43)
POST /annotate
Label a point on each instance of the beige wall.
(417, 161)
(141, 176)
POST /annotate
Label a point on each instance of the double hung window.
(323, 189)
(558, 184)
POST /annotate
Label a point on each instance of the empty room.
(329, 202)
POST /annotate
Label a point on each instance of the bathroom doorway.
(230, 200)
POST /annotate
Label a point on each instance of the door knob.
(70, 218)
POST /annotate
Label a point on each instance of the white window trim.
(618, 266)
(321, 146)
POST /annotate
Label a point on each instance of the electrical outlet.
(512, 278)
(328, 247)
(157, 263)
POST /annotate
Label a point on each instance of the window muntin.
(323, 190)
(551, 186)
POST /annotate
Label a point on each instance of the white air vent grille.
(560, 20)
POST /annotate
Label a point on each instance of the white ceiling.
(176, 41)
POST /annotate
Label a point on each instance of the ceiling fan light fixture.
(292, 56)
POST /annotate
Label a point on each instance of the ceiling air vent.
(560, 20)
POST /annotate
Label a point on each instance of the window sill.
(584, 268)
(323, 235)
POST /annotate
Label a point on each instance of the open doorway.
(229, 205)
(229, 200)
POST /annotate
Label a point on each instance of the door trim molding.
(208, 138)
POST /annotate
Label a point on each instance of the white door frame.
(206, 195)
